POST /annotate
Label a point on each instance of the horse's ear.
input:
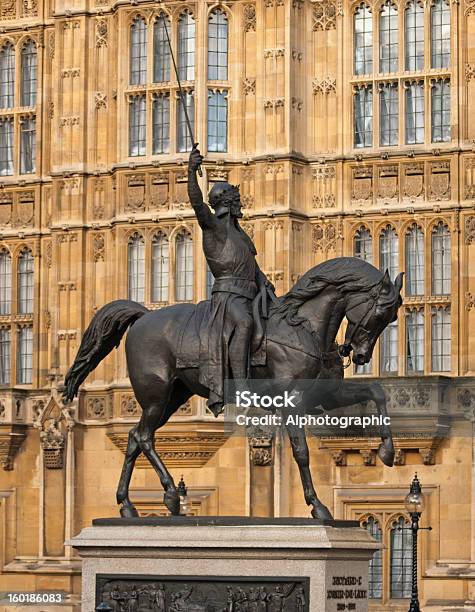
(386, 285)
(398, 282)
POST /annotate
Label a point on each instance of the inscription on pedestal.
(346, 592)
(202, 594)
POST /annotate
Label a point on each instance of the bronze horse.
(316, 306)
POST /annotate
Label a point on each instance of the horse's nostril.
(360, 359)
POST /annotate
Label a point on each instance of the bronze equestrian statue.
(167, 355)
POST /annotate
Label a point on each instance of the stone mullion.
(260, 84)
(201, 75)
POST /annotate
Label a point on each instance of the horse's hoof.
(321, 512)
(128, 511)
(386, 453)
(171, 499)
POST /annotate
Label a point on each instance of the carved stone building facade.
(349, 128)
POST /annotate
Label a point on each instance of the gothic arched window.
(7, 76)
(217, 46)
(363, 40)
(363, 245)
(401, 560)
(138, 51)
(388, 38)
(25, 282)
(29, 60)
(184, 267)
(415, 268)
(186, 47)
(414, 31)
(440, 34)
(5, 283)
(375, 573)
(161, 50)
(136, 268)
(160, 268)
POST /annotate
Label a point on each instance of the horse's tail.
(104, 333)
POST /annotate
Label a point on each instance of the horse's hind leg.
(146, 439)
(127, 509)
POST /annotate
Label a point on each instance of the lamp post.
(414, 503)
(182, 492)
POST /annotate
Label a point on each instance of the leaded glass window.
(375, 572)
(388, 114)
(415, 112)
(25, 282)
(136, 268)
(389, 349)
(217, 46)
(401, 560)
(5, 283)
(6, 146)
(363, 245)
(183, 137)
(137, 126)
(161, 124)
(29, 60)
(28, 145)
(440, 34)
(441, 260)
(415, 268)
(161, 50)
(7, 76)
(414, 25)
(441, 339)
(5, 356)
(184, 267)
(160, 268)
(217, 121)
(363, 116)
(388, 38)
(440, 103)
(25, 356)
(415, 340)
(363, 41)
(186, 47)
(389, 252)
(138, 52)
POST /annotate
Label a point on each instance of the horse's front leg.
(386, 450)
(298, 442)
(353, 392)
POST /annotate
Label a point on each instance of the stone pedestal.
(205, 564)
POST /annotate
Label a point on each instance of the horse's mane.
(349, 274)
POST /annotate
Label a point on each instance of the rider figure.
(231, 257)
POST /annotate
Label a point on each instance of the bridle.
(344, 350)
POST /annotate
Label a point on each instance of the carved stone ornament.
(101, 32)
(324, 15)
(248, 86)
(249, 15)
(323, 237)
(162, 593)
(53, 421)
(261, 446)
(11, 439)
(7, 9)
(98, 247)
(469, 229)
(325, 85)
(179, 445)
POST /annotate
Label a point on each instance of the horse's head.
(368, 313)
